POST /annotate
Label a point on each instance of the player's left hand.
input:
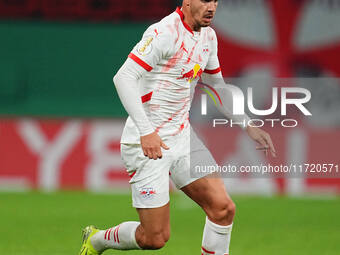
(263, 139)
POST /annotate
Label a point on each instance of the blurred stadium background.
(61, 120)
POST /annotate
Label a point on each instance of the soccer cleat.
(86, 247)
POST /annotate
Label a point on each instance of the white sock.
(121, 237)
(216, 238)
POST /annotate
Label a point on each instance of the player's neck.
(189, 20)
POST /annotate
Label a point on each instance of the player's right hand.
(151, 145)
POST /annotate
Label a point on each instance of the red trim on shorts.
(206, 251)
(146, 97)
(140, 62)
(180, 13)
(217, 70)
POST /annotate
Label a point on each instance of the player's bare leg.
(154, 230)
(210, 194)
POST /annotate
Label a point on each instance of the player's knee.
(231, 209)
(166, 236)
(223, 212)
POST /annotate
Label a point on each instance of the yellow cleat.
(86, 247)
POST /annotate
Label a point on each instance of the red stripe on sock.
(106, 234)
(117, 234)
(206, 251)
(109, 235)
(114, 237)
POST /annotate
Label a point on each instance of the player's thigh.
(207, 191)
(210, 194)
(155, 222)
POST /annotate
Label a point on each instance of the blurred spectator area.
(86, 9)
(46, 59)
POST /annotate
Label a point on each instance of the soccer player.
(156, 85)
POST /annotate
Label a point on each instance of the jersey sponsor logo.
(145, 46)
(147, 192)
(194, 73)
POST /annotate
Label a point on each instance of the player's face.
(202, 12)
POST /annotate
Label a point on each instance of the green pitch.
(50, 224)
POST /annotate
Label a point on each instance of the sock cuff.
(218, 228)
(133, 233)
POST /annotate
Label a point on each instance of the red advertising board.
(85, 154)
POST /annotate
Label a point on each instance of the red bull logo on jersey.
(194, 73)
(147, 192)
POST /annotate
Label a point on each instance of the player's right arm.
(142, 59)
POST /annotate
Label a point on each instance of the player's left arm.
(212, 76)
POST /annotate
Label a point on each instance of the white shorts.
(150, 178)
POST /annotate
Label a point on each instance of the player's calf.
(153, 238)
(154, 230)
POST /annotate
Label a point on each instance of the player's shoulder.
(160, 37)
(163, 28)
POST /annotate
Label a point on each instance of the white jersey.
(174, 57)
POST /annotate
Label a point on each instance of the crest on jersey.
(145, 46)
